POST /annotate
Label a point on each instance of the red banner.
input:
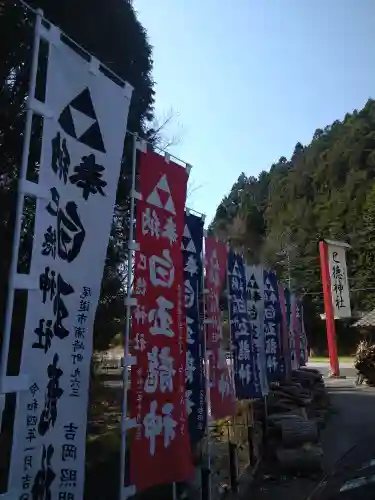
(222, 396)
(160, 450)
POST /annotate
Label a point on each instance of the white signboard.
(339, 279)
(81, 157)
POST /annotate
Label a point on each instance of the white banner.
(255, 308)
(81, 157)
(293, 332)
(339, 279)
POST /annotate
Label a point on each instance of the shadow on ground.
(351, 421)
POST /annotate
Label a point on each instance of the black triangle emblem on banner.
(83, 103)
(92, 136)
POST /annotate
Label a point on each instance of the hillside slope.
(326, 188)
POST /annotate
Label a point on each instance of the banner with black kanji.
(294, 333)
(82, 148)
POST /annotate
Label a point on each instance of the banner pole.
(231, 348)
(125, 368)
(19, 208)
(207, 375)
(233, 455)
(328, 308)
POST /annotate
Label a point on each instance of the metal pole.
(232, 446)
(125, 371)
(174, 491)
(19, 207)
(207, 377)
(233, 465)
(229, 300)
(265, 424)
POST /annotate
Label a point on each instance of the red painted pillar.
(328, 309)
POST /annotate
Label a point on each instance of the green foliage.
(326, 189)
(111, 32)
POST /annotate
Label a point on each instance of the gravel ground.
(349, 436)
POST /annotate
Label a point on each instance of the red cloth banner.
(222, 396)
(160, 449)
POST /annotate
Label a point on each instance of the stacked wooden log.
(296, 411)
(365, 362)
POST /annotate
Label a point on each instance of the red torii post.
(328, 308)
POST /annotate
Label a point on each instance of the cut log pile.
(365, 362)
(296, 413)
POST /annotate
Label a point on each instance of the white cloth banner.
(293, 332)
(82, 149)
(255, 291)
(339, 280)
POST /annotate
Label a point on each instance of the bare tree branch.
(159, 131)
(156, 131)
(192, 188)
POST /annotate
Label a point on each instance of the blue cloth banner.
(303, 339)
(195, 394)
(272, 328)
(254, 292)
(246, 385)
(288, 310)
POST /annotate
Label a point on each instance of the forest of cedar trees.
(326, 189)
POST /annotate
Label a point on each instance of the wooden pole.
(328, 309)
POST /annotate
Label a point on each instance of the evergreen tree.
(327, 190)
(112, 33)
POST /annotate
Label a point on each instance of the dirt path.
(352, 421)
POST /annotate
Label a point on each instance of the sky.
(248, 79)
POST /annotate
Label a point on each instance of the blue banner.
(272, 328)
(195, 391)
(243, 366)
(303, 338)
(285, 343)
(255, 297)
(288, 306)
